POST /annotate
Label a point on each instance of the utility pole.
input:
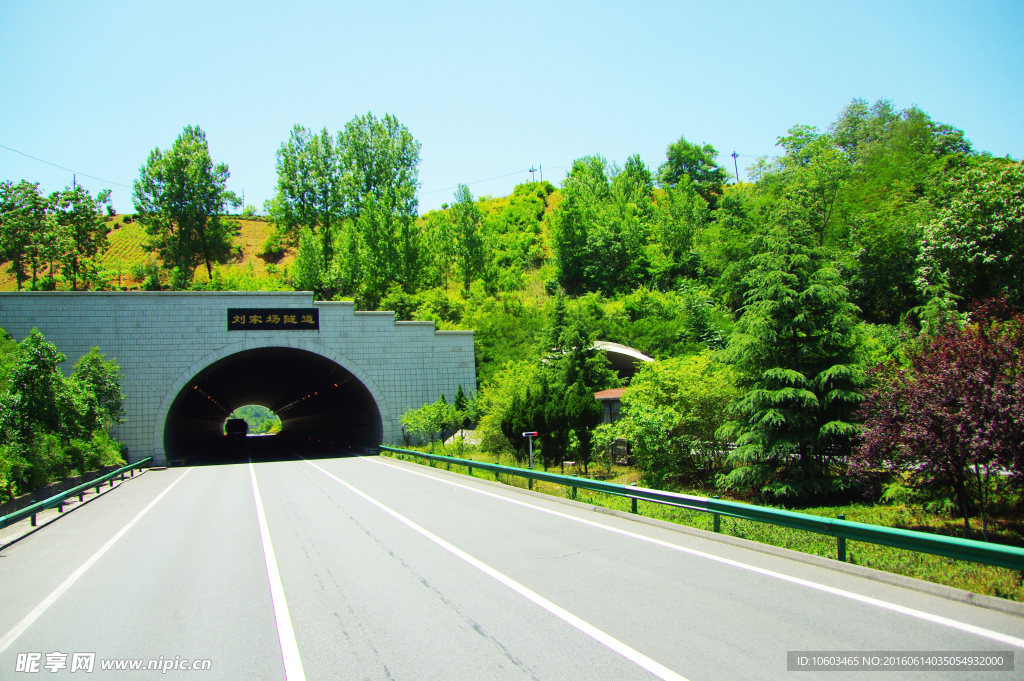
(542, 173)
(532, 171)
(735, 165)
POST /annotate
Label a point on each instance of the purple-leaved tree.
(955, 416)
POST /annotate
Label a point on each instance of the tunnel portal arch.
(318, 394)
(162, 340)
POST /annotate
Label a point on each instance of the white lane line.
(634, 656)
(919, 614)
(286, 635)
(27, 621)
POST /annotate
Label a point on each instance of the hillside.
(126, 255)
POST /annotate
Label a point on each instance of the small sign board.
(273, 319)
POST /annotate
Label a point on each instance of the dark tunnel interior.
(320, 404)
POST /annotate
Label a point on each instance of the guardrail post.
(470, 471)
(33, 520)
(716, 520)
(60, 507)
(574, 489)
(841, 543)
(632, 500)
(81, 496)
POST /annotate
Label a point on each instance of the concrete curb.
(942, 591)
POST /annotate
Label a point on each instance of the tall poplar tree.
(469, 243)
(311, 188)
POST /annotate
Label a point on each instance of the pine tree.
(795, 345)
(578, 370)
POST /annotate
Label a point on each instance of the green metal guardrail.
(952, 547)
(58, 499)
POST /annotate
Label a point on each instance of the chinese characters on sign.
(280, 319)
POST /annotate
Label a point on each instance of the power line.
(527, 170)
(76, 172)
(435, 191)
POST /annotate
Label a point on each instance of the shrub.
(273, 249)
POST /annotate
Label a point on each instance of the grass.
(975, 577)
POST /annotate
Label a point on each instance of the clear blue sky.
(489, 89)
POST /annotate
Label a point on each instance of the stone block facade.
(161, 340)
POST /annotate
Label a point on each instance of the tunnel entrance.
(319, 402)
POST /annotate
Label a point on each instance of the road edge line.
(868, 600)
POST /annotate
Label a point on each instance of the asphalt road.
(368, 568)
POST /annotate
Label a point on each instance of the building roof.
(624, 360)
(611, 394)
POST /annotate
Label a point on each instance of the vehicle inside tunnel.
(320, 404)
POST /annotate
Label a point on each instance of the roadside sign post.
(530, 435)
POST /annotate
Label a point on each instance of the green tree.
(381, 251)
(698, 163)
(381, 158)
(514, 227)
(312, 192)
(813, 171)
(51, 425)
(39, 394)
(976, 244)
(80, 217)
(679, 215)
(23, 214)
(576, 370)
(585, 189)
(469, 242)
(795, 348)
(310, 270)
(29, 233)
(437, 236)
(901, 165)
(602, 226)
(495, 400)
(671, 415)
(462, 408)
(381, 162)
(9, 356)
(181, 199)
(430, 420)
(101, 379)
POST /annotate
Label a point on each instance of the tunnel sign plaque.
(273, 319)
